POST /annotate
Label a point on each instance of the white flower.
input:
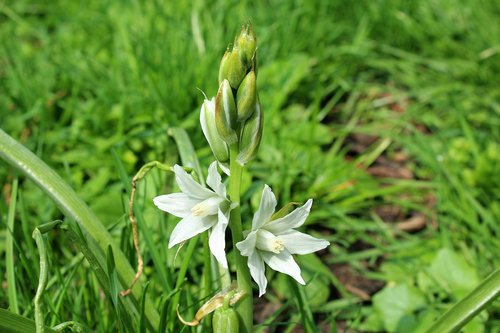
(274, 242)
(200, 209)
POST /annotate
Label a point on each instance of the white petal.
(178, 204)
(207, 207)
(293, 220)
(214, 180)
(300, 243)
(203, 119)
(225, 168)
(284, 263)
(217, 240)
(190, 227)
(207, 115)
(189, 186)
(266, 208)
(258, 271)
(247, 246)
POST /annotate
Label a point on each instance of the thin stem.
(462, 312)
(245, 306)
(42, 282)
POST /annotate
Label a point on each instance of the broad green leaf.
(397, 304)
(13, 323)
(453, 272)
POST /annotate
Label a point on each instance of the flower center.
(207, 207)
(266, 241)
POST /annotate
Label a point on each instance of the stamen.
(209, 206)
(266, 241)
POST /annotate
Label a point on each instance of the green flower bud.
(224, 66)
(246, 96)
(235, 69)
(247, 43)
(207, 120)
(225, 113)
(225, 320)
(251, 134)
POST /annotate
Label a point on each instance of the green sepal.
(246, 96)
(225, 113)
(247, 43)
(223, 68)
(208, 126)
(251, 135)
(225, 320)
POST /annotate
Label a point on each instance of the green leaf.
(186, 151)
(396, 305)
(13, 323)
(453, 273)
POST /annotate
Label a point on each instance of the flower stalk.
(244, 308)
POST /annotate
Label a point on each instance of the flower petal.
(293, 220)
(189, 227)
(178, 204)
(217, 240)
(258, 271)
(214, 180)
(189, 186)
(266, 208)
(300, 243)
(284, 263)
(225, 168)
(247, 246)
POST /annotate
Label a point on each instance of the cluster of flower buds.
(235, 116)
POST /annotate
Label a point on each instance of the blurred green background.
(387, 113)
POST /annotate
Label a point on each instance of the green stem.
(462, 312)
(245, 306)
(42, 282)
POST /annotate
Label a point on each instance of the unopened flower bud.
(225, 320)
(225, 113)
(246, 97)
(231, 68)
(207, 120)
(247, 43)
(223, 66)
(251, 134)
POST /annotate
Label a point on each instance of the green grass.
(92, 87)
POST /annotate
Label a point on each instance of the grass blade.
(14, 323)
(462, 312)
(71, 205)
(9, 250)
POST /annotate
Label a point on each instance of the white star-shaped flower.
(274, 241)
(200, 208)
